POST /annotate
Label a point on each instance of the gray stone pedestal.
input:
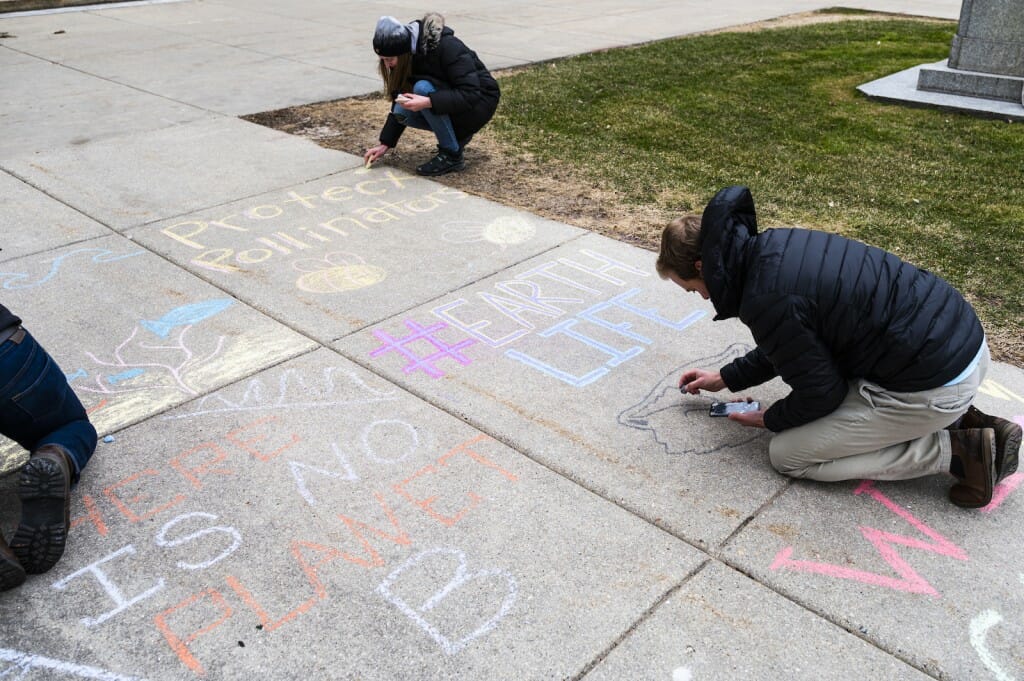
(986, 58)
(985, 70)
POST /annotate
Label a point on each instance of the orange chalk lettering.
(92, 515)
(248, 445)
(400, 537)
(193, 475)
(122, 504)
(179, 645)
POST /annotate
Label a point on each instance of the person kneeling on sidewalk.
(435, 83)
(40, 412)
(883, 359)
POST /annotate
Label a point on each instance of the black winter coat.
(825, 310)
(466, 90)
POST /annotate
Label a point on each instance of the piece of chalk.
(109, 438)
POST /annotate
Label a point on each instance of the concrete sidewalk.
(363, 426)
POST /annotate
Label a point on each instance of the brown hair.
(680, 248)
(398, 79)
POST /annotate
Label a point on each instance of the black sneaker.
(45, 491)
(11, 572)
(445, 162)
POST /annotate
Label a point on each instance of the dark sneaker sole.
(11, 574)
(1008, 437)
(435, 173)
(45, 515)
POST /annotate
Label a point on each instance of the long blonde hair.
(398, 79)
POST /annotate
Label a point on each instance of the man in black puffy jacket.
(883, 358)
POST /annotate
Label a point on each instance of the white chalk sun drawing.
(337, 272)
(505, 230)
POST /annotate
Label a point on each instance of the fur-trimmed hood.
(431, 27)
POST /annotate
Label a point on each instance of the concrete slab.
(722, 625)
(856, 553)
(313, 521)
(32, 222)
(46, 106)
(901, 88)
(539, 44)
(142, 178)
(156, 340)
(573, 357)
(58, 41)
(327, 257)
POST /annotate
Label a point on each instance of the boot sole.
(1008, 440)
(453, 169)
(45, 516)
(11, 573)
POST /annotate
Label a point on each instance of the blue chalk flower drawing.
(140, 366)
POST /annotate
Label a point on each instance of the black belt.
(15, 334)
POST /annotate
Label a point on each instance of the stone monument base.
(941, 78)
(902, 88)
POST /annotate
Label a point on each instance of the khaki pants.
(878, 434)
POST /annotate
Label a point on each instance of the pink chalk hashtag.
(417, 363)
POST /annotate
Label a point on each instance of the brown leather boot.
(1008, 437)
(976, 450)
(11, 572)
(45, 491)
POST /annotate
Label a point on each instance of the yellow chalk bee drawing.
(337, 272)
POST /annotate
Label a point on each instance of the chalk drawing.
(162, 540)
(114, 379)
(337, 272)
(979, 628)
(166, 366)
(81, 373)
(682, 674)
(295, 390)
(571, 328)
(884, 542)
(460, 580)
(186, 315)
(1003, 490)
(503, 231)
(301, 470)
(121, 602)
(442, 350)
(13, 281)
(26, 662)
(678, 422)
(411, 436)
(994, 389)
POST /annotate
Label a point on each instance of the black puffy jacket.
(466, 90)
(824, 310)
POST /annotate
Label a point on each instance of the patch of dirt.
(506, 175)
(493, 171)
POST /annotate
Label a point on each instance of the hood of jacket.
(727, 229)
(431, 28)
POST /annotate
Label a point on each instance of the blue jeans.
(439, 124)
(38, 407)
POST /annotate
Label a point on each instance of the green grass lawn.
(669, 123)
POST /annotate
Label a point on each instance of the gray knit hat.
(392, 38)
